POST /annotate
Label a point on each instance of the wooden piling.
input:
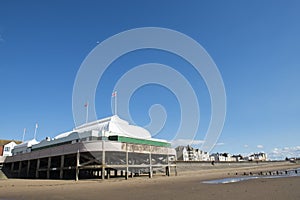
(28, 168)
(126, 173)
(150, 164)
(48, 167)
(12, 167)
(61, 170)
(37, 168)
(103, 161)
(77, 166)
(20, 168)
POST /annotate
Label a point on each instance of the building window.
(7, 149)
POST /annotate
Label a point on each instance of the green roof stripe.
(138, 141)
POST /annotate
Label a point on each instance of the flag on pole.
(114, 94)
(86, 104)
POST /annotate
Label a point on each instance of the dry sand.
(187, 185)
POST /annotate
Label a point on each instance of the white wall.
(7, 149)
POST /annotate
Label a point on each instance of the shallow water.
(291, 173)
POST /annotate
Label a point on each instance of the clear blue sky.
(255, 44)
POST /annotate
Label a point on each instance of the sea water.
(291, 173)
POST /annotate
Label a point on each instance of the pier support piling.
(48, 167)
(150, 166)
(28, 168)
(77, 166)
(61, 170)
(127, 169)
(37, 168)
(103, 161)
(20, 168)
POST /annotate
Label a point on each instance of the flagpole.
(116, 103)
(23, 134)
(87, 113)
(36, 126)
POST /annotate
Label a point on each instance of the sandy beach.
(187, 185)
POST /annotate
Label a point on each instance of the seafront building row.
(189, 153)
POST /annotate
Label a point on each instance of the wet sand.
(187, 185)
